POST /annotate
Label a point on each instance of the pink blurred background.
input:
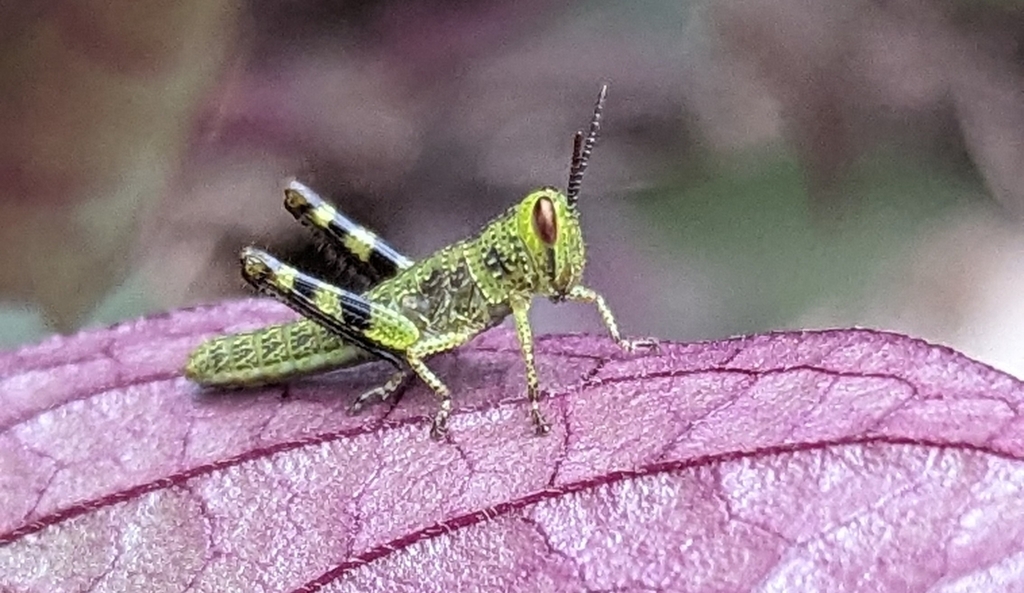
(765, 164)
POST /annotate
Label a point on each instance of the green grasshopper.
(420, 308)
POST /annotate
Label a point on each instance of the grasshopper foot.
(540, 424)
(363, 398)
(636, 344)
(439, 428)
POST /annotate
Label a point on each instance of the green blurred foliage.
(750, 224)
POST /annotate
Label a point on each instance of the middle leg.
(415, 356)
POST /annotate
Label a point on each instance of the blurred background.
(764, 164)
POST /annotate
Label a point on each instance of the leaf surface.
(846, 460)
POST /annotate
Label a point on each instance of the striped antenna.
(581, 149)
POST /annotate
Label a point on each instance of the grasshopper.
(420, 308)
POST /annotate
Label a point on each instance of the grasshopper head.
(550, 224)
(550, 229)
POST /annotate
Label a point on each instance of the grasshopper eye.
(544, 221)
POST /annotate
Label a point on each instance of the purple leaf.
(813, 461)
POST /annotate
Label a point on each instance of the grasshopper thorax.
(550, 230)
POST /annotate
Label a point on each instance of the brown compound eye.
(544, 221)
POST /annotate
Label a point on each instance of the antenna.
(581, 149)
